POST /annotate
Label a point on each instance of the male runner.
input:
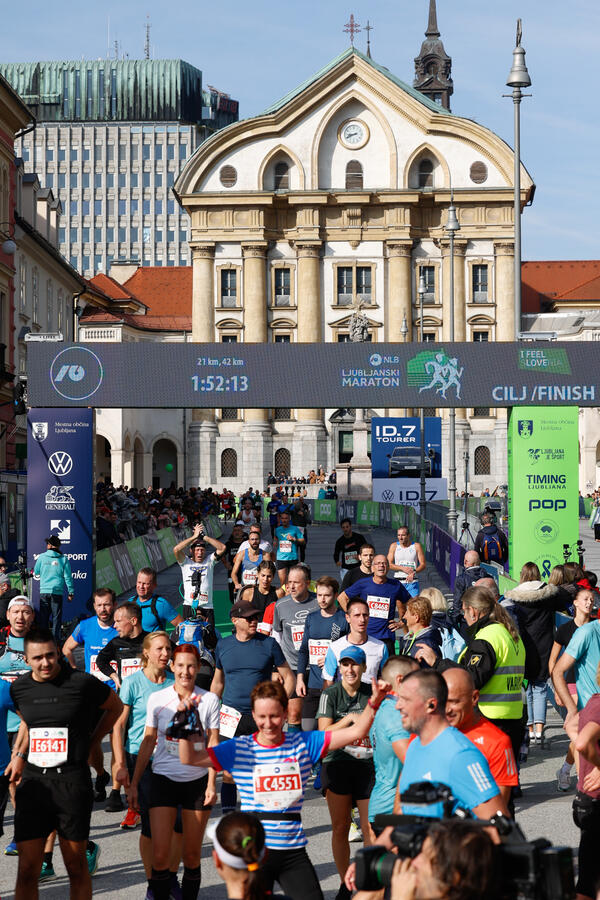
(406, 559)
(385, 598)
(357, 616)
(61, 711)
(198, 594)
(366, 555)
(288, 538)
(245, 566)
(232, 546)
(345, 552)
(156, 611)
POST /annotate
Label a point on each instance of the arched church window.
(229, 463)
(282, 177)
(425, 173)
(482, 460)
(354, 176)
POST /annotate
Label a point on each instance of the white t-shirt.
(205, 597)
(160, 710)
(374, 649)
(264, 547)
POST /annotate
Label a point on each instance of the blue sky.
(258, 51)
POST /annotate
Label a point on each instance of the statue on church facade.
(359, 324)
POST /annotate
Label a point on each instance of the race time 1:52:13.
(220, 383)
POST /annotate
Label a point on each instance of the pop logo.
(547, 504)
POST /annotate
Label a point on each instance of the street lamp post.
(452, 226)
(518, 78)
(422, 494)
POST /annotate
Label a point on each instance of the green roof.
(430, 104)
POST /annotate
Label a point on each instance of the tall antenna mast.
(147, 43)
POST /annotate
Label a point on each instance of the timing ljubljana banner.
(396, 460)
(543, 486)
(60, 481)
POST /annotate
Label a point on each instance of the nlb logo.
(76, 373)
(547, 504)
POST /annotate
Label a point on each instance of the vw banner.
(396, 460)
(60, 483)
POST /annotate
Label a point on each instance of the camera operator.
(456, 862)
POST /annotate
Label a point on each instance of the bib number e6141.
(48, 747)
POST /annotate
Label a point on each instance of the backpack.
(491, 548)
(452, 644)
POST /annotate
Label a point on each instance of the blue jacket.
(54, 571)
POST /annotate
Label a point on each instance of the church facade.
(334, 199)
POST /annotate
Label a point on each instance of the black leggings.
(294, 872)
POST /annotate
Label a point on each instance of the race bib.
(95, 671)
(379, 607)
(317, 650)
(130, 666)
(277, 786)
(264, 628)
(361, 749)
(249, 577)
(228, 721)
(48, 747)
(285, 546)
(351, 557)
(297, 634)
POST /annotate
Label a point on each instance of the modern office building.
(111, 138)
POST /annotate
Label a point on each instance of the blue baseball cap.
(354, 653)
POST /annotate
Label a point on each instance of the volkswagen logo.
(60, 463)
(387, 496)
(76, 373)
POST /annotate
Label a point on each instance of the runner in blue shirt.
(287, 540)
(324, 625)
(156, 611)
(94, 633)
(386, 599)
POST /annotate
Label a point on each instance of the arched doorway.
(103, 461)
(164, 463)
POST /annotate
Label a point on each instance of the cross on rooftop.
(352, 27)
(368, 29)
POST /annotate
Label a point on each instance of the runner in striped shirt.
(271, 770)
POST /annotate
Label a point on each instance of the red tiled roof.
(110, 287)
(166, 290)
(545, 281)
(94, 316)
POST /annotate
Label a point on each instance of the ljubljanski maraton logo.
(525, 428)
(435, 370)
(374, 375)
(76, 373)
(60, 463)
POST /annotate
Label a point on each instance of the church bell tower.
(433, 66)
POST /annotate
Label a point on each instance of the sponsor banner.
(311, 508)
(154, 551)
(325, 511)
(343, 375)
(60, 482)
(212, 526)
(367, 513)
(407, 491)
(396, 447)
(125, 569)
(106, 574)
(543, 486)
(137, 554)
(167, 542)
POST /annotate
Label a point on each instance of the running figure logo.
(435, 371)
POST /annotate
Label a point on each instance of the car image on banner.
(396, 460)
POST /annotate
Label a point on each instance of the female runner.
(271, 770)
(173, 784)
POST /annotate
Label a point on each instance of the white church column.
(202, 431)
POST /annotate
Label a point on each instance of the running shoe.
(93, 857)
(149, 894)
(114, 804)
(100, 786)
(563, 780)
(11, 849)
(131, 820)
(47, 872)
(354, 834)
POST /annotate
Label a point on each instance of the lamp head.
(518, 76)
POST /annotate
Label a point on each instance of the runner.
(244, 572)
(322, 626)
(173, 784)
(95, 633)
(347, 547)
(197, 572)
(156, 611)
(406, 559)
(357, 616)
(243, 659)
(300, 517)
(137, 688)
(366, 555)
(386, 599)
(348, 774)
(60, 708)
(258, 762)
(238, 854)
(288, 628)
(288, 538)
(263, 593)
(232, 545)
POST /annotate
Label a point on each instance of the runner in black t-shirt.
(62, 709)
(366, 555)
(232, 545)
(345, 552)
(263, 592)
(126, 649)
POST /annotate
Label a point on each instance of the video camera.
(196, 583)
(527, 870)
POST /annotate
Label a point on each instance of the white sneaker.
(354, 834)
(563, 779)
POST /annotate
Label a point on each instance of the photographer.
(456, 862)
